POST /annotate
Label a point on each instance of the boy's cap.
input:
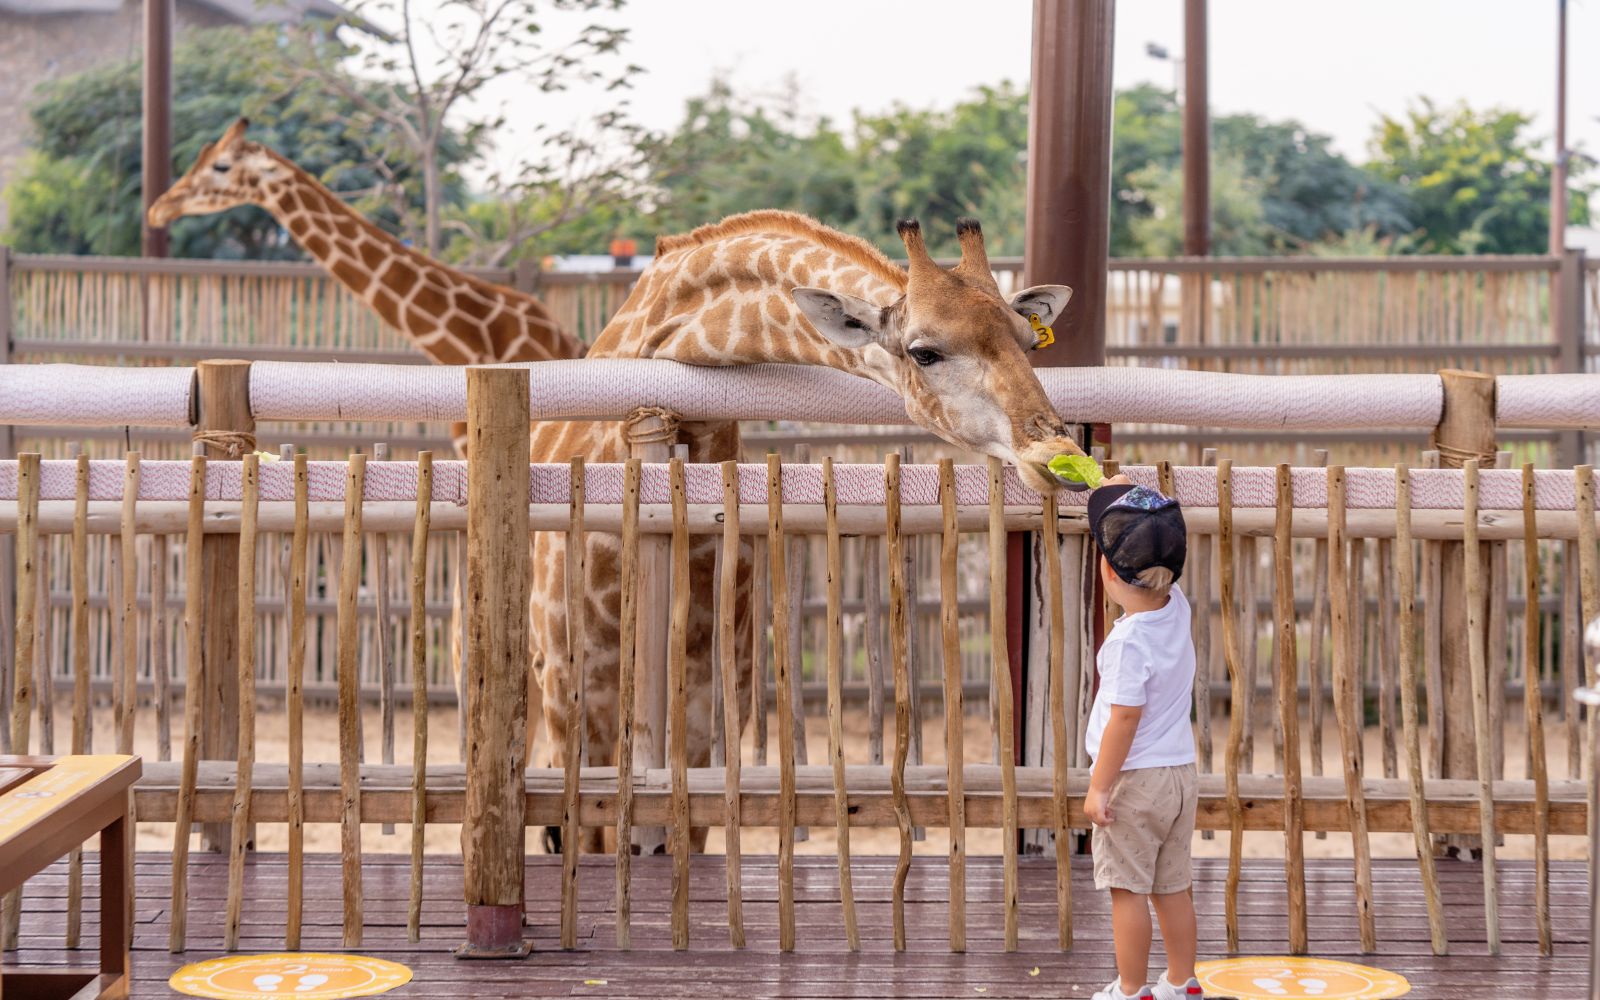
(1137, 528)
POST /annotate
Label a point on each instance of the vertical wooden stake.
(80, 677)
(872, 595)
(1385, 660)
(1405, 563)
(493, 836)
(1201, 584)
(1533, 712)
(384, 637)
(160, 666)
(1230, 651)
(758, 649)
(193, 696)
(244, 773)
(628, 615)
(299, 545)
(780, 660)
(1056, 599)
(1588, 602)
(27, 551)
(902, 689)
(350, 700)
(954, 707)
(999, 660)
(419, 683)
(1319, 626)
(1289, 711)
(1477, 637)
(128, 691)
(841, 800)
(727, 648)
(577, 598)
(1346, 703)
(677, 706)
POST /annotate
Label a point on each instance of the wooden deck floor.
(822, 967)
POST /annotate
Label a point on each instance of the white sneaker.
(1166, 991)
(1113, 991)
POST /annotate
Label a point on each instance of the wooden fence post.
(1568, 316)
(650, 435)
(227, 429)
(1465, 431)
(493, 836)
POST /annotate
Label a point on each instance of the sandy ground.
(321, 744)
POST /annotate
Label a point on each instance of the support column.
(493, 835)
(1067, 241)
(1567, 289)
(651, 434)
(1465, 431)
(226, 429)
(157, 162)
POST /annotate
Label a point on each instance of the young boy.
(1142, 790)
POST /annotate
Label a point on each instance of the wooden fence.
(1434, 532)
(1264, 315)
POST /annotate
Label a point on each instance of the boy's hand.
(1097, 805)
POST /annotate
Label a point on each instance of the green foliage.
(1477, 182)
(80, 191)
(1238, 213)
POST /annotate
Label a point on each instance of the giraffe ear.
(843, 319)
(1047, 302)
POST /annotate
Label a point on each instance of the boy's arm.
(1115, 743)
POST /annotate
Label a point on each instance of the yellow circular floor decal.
(1270, 977)
(303, 975)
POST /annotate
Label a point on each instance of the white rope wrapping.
(1254, 487)
(609, 388)
(1548, 401)
(95, 395)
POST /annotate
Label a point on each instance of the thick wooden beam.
(493, 835)
(227, 430)
(1465, 431)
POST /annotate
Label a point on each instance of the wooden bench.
(47, 806)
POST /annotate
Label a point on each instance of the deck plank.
(822, 965)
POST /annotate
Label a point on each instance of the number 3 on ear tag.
(1043, 336)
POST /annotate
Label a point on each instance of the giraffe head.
(228, 172)
(956, 351)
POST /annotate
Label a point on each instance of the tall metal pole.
(157, 117)
(1558, 176)
(1196, 133)
(1067, 238)
(1069, 171)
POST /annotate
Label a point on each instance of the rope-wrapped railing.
(96, 396)
(86, 395)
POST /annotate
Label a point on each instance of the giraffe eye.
(925, 356)
(222, 168)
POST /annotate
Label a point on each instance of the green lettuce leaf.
(1077, 469)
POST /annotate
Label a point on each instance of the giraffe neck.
(728, 302)
(452, 317)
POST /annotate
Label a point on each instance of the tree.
(427, 75)
(1475, 178)
(79, 192)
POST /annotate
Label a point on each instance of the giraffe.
(773, 286)
(452, 317)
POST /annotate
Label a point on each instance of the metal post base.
(494, 932)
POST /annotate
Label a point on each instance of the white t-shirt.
(1148, 660)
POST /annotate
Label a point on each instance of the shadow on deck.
(821, 965)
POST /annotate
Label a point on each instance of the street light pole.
(1558, 175)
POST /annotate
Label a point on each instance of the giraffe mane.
(783, 223)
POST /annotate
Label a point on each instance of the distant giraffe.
(452, 317)
(778, 287)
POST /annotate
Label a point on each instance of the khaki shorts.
(1146, 847)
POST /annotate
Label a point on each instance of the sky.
(1333, 66)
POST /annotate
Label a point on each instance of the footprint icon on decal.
(311, 982)
(267, 982)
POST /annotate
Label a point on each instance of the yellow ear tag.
(1043, 336)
